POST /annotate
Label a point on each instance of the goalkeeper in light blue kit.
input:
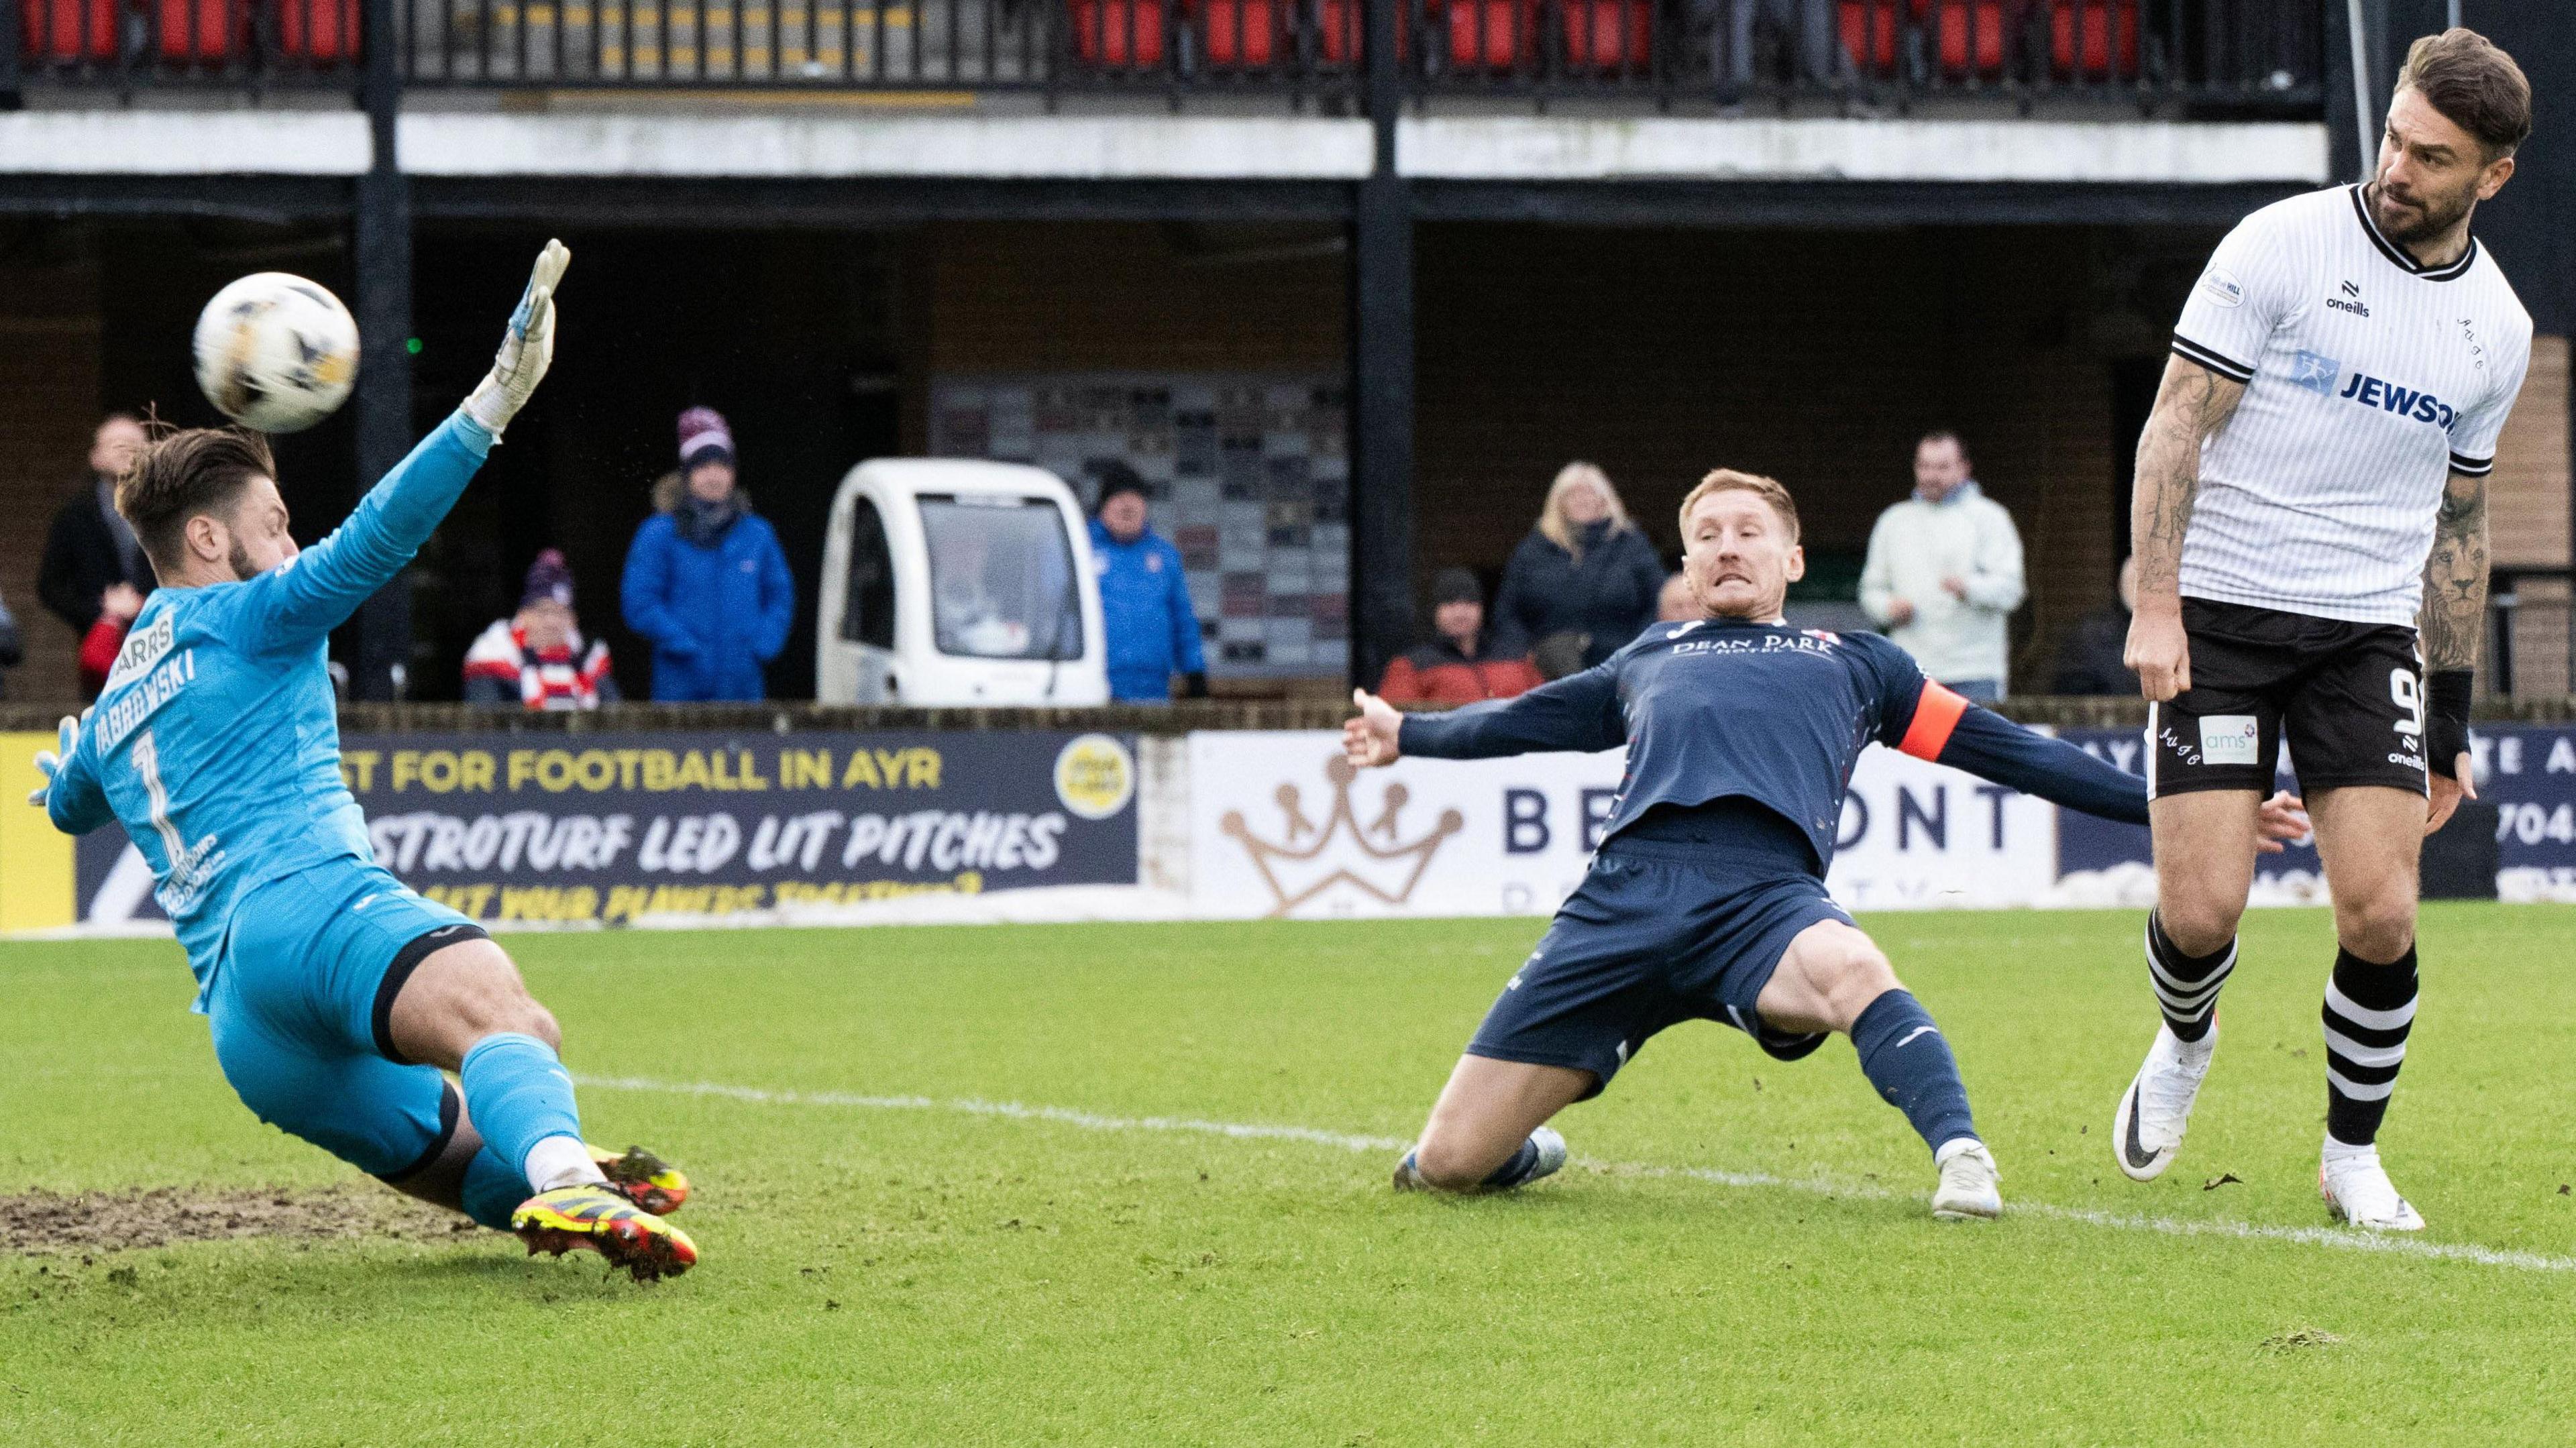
(338, 997)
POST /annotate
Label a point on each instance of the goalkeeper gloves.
(527, 349)
(49, 762)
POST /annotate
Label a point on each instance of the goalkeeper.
(1707, 899)
(338, 997)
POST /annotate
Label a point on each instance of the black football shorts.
(2348, 699)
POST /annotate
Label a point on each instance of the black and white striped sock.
(2186, 985)
(2369, 1011)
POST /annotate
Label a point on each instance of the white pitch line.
(1061, 1115)
(2342, 1239)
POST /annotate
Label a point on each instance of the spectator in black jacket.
(91, 552)
(1584, 571)
(2090, 662)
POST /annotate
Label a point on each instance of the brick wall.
(2527, 503)
(1818, 358)
(49, 376)
(2527, 496)
(1117, 297)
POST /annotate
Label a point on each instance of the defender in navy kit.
(1707, 899)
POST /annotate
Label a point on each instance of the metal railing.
(2174, 56)
(1156, 46)
(2239, 55)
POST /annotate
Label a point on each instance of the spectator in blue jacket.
(705, 581)
(1144, 601)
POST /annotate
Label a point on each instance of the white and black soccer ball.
(275, 352)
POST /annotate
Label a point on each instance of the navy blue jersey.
(1725, 709)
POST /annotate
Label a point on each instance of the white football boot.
(1968, 1175)
(1551, 1154)
(2357, 1190)
(2147, 1130)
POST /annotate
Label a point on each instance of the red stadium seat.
(1117, 34)
(1488, 35)
(1239, 34)
(1972, 38)
(2092, 24)
(203, 30)
(1484, 35)
(1869, 31)
(318, 30)
(1614, 36)
(62, 31)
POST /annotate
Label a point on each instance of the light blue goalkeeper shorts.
(300, 1005)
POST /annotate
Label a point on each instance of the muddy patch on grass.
(41, 1222)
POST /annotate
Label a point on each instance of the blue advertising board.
(608, 827)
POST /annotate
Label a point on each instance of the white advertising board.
(1279, 826)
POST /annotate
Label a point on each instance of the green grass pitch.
(888, 1262)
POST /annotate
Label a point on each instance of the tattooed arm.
(2455, 615)
(2455, 577)
(2192, 403)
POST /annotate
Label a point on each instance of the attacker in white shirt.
(1944, 573)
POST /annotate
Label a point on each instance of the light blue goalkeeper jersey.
(216, 742)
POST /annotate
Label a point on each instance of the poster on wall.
(1247, 474)
(1281, 825)
(608, 828)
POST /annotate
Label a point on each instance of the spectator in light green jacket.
(1944, 573)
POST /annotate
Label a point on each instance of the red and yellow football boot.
(642, 1178)
(594, 1216)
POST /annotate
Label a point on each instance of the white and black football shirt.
(2369, 379)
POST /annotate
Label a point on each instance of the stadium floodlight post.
(382, 243)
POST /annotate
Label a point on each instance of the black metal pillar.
(1381, 354)
(10, 32)
(381, 651)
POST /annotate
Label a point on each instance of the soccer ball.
(276, 352)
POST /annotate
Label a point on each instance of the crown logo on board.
(1311, 858)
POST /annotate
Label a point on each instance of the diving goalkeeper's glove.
(49, 762)
(527, 349)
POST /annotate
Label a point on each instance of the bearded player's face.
(256, 539)
(2431, 172)
(1739, 557)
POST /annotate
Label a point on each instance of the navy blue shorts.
(300, 1007)
(1657, 934)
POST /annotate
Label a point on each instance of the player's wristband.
(2446, 718)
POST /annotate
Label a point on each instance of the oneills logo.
(1311, 858)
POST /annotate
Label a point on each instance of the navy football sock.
(517, 1094)
(1514, 1172)
(1903, 1055)
(493, 1190)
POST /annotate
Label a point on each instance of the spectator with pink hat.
(705, 580)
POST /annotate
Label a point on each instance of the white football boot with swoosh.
(2147, 1130)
